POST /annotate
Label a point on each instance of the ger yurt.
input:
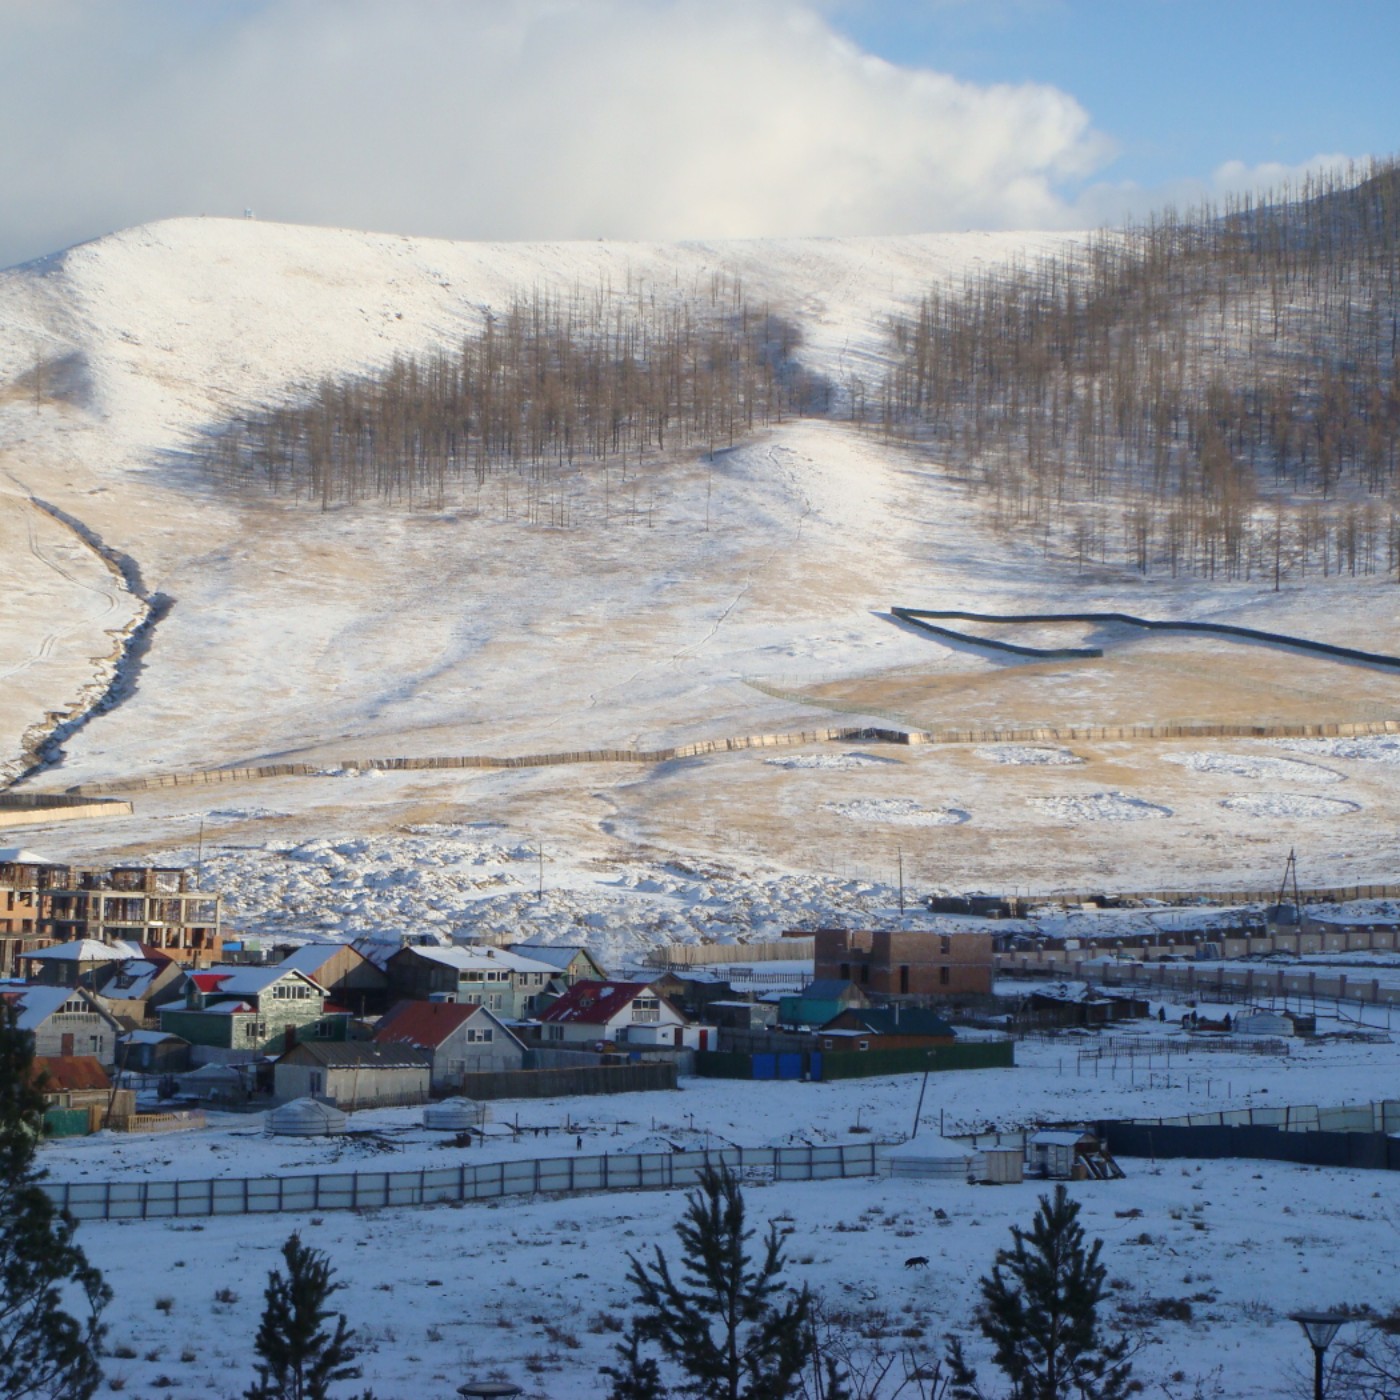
(306, 1118)
(933, 1157)
(454, 1115)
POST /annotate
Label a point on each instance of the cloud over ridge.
(532, 119)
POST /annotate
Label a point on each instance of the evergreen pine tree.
(1039, 1309)
(299, 1357)
(635, 1377)
(45, 1351)
(727, 1325)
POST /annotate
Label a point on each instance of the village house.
(350, 979)
(353, 1074)
(503, 982)
(905, 962)
(819, 1001)
(78, 1095)
(253, 1010)
(153, 1052)
(572, 963)
(66, 1021)
(593, 1013)
(131, 980)
(458, 1039)
(886, 1028)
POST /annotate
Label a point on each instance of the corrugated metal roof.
(361, 1054)
(64, 1073)
(596, 1003)
(425, 1023)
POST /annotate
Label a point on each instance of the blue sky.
(664, 119)
(1180, 86)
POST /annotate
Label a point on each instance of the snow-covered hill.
(710, 598)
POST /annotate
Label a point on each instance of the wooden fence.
(706, 747)
(734, 954)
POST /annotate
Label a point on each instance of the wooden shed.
(353, 1074)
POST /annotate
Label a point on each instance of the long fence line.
(153, 1200)
(738, 954)
(1033, 734)
(1251, 983)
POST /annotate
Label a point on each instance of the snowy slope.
(708, 599)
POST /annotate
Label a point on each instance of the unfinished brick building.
(159, 907)
(905, 963)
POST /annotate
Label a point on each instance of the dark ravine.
(42, 745)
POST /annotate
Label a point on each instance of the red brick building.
(906, 963)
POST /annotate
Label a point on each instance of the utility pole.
(539, 853)
(199, 859)
(899, 852)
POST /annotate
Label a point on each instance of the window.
(862, 1045)
(904, 978)
(942, 976)
(864, 974)
(945, 945)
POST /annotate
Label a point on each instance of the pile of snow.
(1371, 748)
(1288, 804)
(1098, 807)
(1239, 765)
(1027, 754)
(463, 881)
(897, 811)
(837, 761)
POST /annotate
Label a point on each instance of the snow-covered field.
(533, 1288)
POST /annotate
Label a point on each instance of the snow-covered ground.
(533, 1289)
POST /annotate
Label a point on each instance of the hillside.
(737, 594)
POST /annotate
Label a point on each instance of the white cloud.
(1109, 203)
(509, 119)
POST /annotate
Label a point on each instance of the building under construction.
(157, 906)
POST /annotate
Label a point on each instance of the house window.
(862, 1045)
(864, 974)
(904, 978)
(845, 972)
(945, 945)
(942, 976)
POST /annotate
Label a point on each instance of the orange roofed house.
(905, 962)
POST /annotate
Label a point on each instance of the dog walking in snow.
(916, 1261)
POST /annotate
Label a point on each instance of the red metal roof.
(594, 1003)
(423, 1023)
(63, 1073)
(209, 981)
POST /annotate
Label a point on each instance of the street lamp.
(1320, 1328)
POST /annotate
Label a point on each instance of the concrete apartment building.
(43, 902)
(906, 963)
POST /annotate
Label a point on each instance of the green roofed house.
(819, 1001)
(886, 1028)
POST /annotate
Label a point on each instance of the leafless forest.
(1215, 394)
(554, 387)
